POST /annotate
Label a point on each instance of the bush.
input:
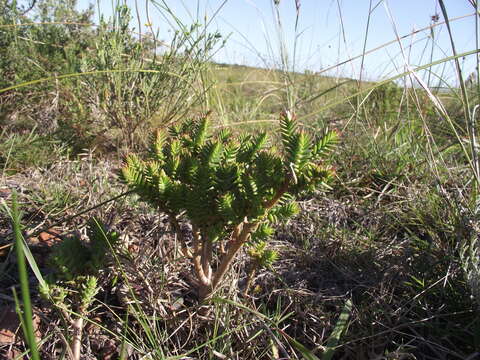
(44, 49)
(232, 191)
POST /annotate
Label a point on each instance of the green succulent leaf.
(262, 256)
(230, 152)
(199, 132)
(88, 291)
(224, 135)
(263, 232)
(288, 127)
(325, 144)
(210, 154)
(251, 146)
(226, 207)
(298, 151)
(283, 212)
(157, 147)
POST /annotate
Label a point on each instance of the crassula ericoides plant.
(232, 190)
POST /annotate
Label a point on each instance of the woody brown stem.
(222, 248)
(240, 235)
(207, 250)
(197, 259)
(76, 346)
(235, 246)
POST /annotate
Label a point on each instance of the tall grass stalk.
(27, 315)
(477, 43)
(365, 38)
(465, 98)
(288, 66)
(384, 45)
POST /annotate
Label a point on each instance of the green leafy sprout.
(74, 284)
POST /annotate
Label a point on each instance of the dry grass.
(340, 247)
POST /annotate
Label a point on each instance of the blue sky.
(321, 40)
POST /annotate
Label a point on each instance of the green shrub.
(136, 85)
(231, 190)
(130, 82)
(34, 51)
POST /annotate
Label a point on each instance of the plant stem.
(77, 338)
(242, 238)
(207, 249)
(22, 270)
(197, 259)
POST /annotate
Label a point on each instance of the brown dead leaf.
(109, 351)
(91, 328)
(49, 237)
(133, 249)
(10, 326)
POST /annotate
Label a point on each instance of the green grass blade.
(31, 261)
(73, 75)
(338, 330)
(22, 269)
(307, 354)
(25, 249)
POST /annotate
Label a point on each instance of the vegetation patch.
(157, 205)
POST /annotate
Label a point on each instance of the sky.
(322, 33)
